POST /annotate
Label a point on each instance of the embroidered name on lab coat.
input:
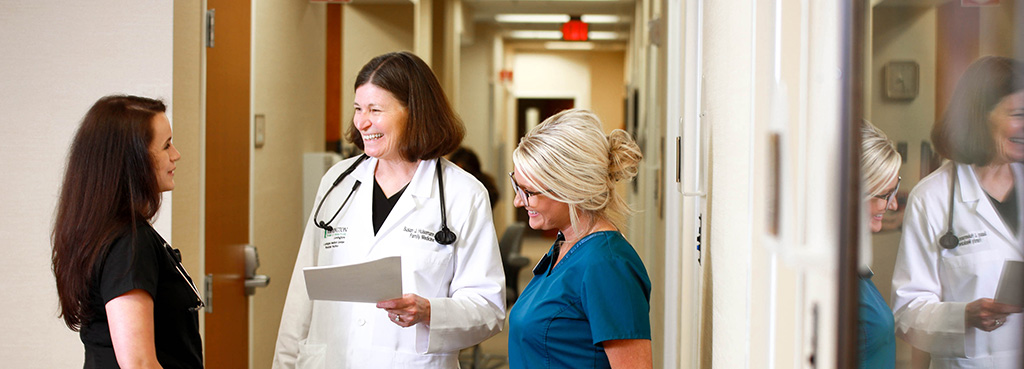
(419, 234)
(335, 238)
(972, 238)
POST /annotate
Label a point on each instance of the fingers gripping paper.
(371, 281)
(1009, 290)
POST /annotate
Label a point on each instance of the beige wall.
(901, 33)
(368, 31)
(288, 89)
(561, 74)
(188, 133)
(998, 28)
(608, 87)
(58, 59)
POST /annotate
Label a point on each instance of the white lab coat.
(464, 282)
(932, 285)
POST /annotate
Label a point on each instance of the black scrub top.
(144, 261)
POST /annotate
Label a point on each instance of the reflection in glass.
(940, 48)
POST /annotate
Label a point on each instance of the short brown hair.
(433, 129)
(963, 134)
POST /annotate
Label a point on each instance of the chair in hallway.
(510, 247)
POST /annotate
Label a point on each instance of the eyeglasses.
(523, 194)
(891, 196)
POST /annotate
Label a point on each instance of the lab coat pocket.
(311, 356)
(427, 271)
(970, 272)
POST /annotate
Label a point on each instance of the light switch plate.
(901, 80)
(259, 130)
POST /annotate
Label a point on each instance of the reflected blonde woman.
(880, 169)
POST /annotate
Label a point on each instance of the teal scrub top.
(876, 343)
(599, 291)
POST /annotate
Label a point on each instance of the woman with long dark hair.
(120, 285)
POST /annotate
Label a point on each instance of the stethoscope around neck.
(949, 240)
(444, 236)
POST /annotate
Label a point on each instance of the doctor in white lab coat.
(943, 297)
(454, 293)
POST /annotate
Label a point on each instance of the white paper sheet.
(1009, 290)
(371, 281)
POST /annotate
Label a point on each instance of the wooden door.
(227, 184)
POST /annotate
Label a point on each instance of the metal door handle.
(253, 280)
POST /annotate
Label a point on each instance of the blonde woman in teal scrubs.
(588, 305)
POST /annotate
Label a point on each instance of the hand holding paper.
(408, 310)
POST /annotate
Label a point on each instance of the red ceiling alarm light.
(574, 29)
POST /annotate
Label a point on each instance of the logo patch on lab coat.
(335, 238)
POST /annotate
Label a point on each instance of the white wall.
(727, 96)
(58, 58)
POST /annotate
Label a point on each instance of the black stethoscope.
(176, 256)
(949, 240)
(444, 236)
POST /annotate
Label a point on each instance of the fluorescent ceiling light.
(569, 45)
(557, 18)
(531, 18)
(600, 18)
(605, 35)
(536, 35)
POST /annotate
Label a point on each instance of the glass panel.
(943, 80)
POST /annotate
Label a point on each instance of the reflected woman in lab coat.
(880, 170)
(943, 291)
(454, 289)
(588, 303)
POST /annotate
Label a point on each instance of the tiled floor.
(496, 348)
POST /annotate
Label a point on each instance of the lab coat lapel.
(363, 200)
(415, 197)
(1018, 183)
(972, 196)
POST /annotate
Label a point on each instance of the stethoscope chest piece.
(949, 241)
(445, 236)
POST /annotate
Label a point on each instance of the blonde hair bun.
(623, 156)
